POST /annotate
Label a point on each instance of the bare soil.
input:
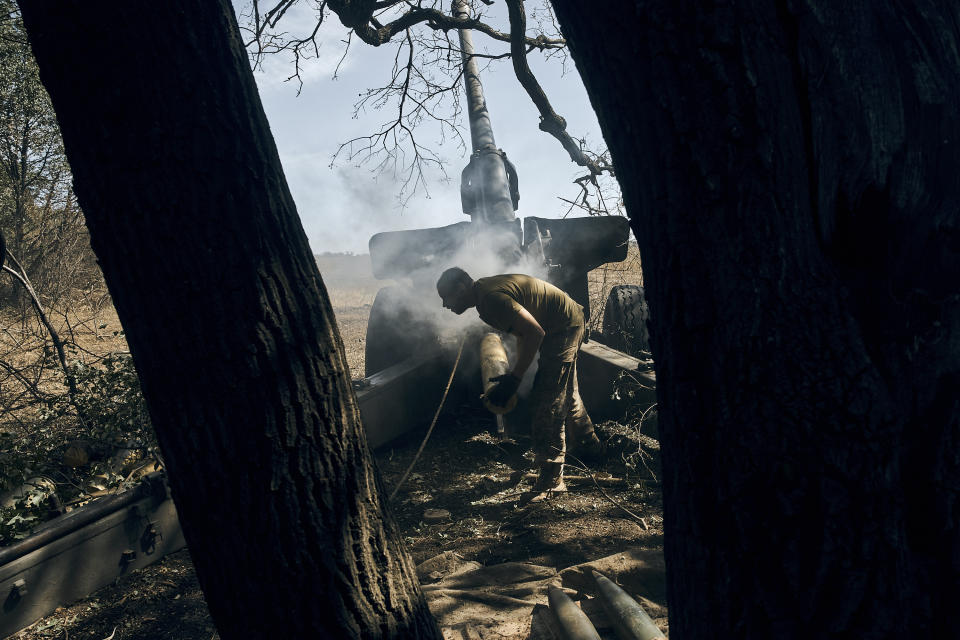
(464, 494)
(482, 482)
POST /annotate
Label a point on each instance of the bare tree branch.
(29, 385)
(424, 89)
(550, 121)
(355, 15)
(418, 95)
(22, 278)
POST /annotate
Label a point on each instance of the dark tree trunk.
(228, 320)
(790, 169)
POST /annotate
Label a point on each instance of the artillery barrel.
(485, 178)
(481, 130)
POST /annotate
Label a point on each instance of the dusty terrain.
(480, 516)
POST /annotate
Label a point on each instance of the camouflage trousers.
(557, 410)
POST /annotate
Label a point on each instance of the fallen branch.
(593, 476)
(477, 596)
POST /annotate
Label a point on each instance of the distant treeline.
(345, 266)
(339, 254)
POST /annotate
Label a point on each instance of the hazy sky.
(343, 205)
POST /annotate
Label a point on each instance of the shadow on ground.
(467, 471)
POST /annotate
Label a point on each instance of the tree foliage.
(39, 215)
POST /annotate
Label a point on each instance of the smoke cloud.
(483, 252)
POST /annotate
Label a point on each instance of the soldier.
(543, 318)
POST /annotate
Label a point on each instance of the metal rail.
(75, 554)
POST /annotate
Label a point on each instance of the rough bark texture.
(790, 170)
(228, 320)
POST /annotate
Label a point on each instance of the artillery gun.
(404, 336)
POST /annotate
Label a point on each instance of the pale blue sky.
(342, 206)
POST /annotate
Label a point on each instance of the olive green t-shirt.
(499, 299)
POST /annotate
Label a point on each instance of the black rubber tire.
(625, 318)
(393, 332)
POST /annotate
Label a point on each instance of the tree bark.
(789, 169)
(228, 320)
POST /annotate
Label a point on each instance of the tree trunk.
(228, 320)
(790, 173)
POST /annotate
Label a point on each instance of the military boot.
(549, 480)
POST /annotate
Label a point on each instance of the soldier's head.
(455, 288)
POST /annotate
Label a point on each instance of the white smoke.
(485, 252)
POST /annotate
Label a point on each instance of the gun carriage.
(403, 336)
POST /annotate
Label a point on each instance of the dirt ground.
(488, 521)
(472, 507)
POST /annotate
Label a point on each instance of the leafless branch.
(550, 121)
(424, 88)
(593, 476)
(423, 84)
(263, 42)
(22, 278)
(375, 34)
(28, 384)
(346, 50)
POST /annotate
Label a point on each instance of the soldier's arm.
(529, 336)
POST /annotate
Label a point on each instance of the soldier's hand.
(500, 393)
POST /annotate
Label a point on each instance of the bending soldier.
(543, 318)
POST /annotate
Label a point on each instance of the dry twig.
(606, 495)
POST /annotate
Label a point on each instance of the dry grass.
(29, 368)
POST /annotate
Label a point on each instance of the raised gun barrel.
(488, 186)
